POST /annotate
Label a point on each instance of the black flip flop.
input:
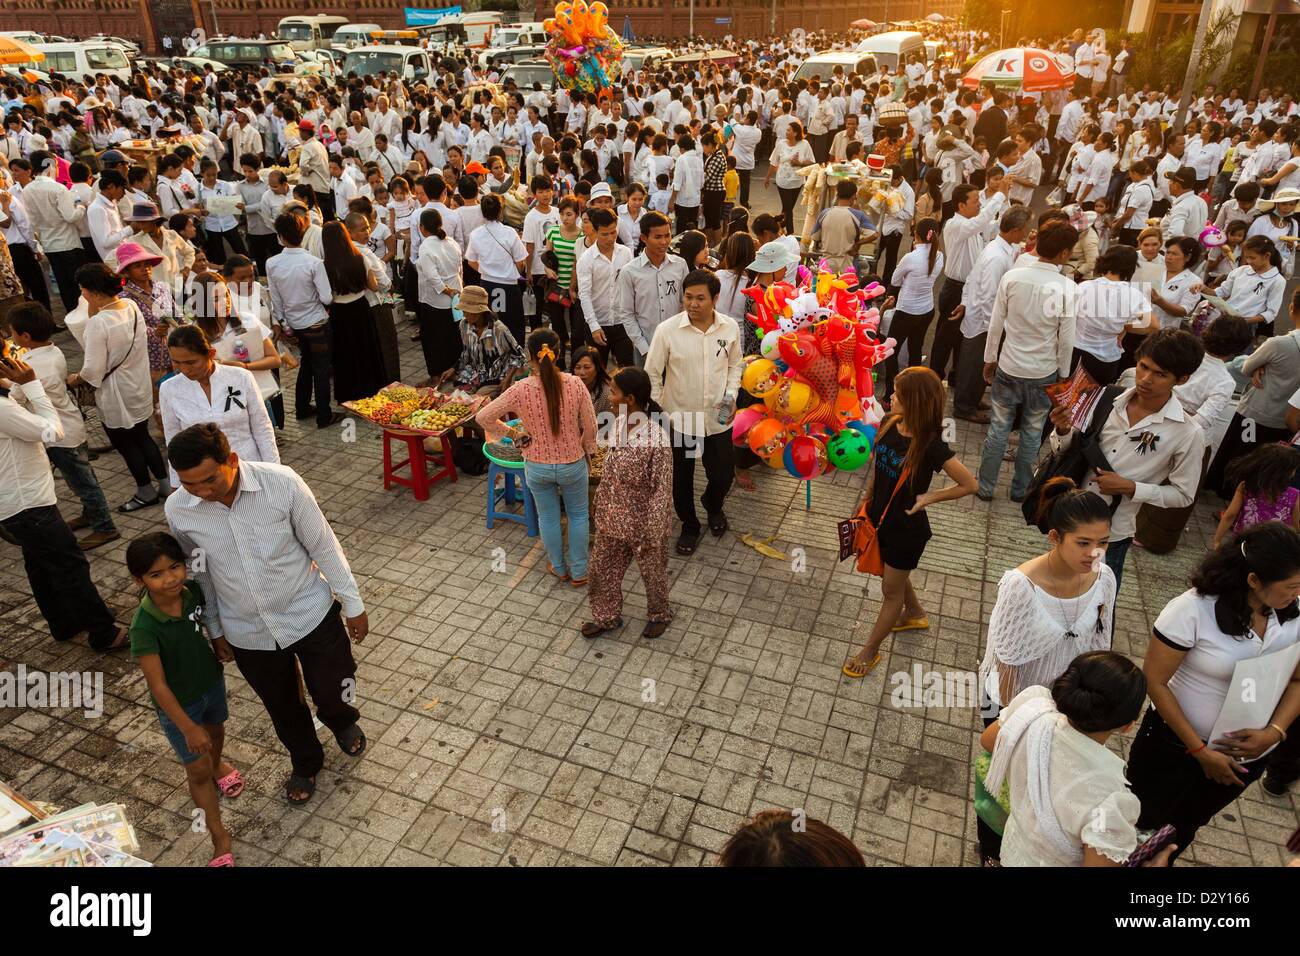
(298, 782)
(137, 503)
(654, 629)
(688, 541)
(349, 737)
(718, 524)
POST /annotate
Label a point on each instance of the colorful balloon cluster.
(814, 375)
(583, 50)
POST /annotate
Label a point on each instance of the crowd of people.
(570, 255)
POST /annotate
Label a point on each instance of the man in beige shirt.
(694, 366)
(314, 167)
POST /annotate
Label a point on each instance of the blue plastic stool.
(510, 472)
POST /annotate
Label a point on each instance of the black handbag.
(1073, 461)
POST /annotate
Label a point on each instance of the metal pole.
(773, 26)
(216, 27)
(1193, 66)
(692, 26)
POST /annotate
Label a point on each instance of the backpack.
(1074, 461)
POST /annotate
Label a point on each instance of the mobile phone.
(1148, 851)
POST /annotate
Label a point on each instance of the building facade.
(148, 21)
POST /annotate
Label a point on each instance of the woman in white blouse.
(1107, 309)
(1254, 289)
(1095, 182)
(1070, 803)
(116, 365)
(209, 391)
(438, 268)
(914, 277)
(788, 157)
(1241, 606)
(1174, 299)
(1278, 222)
(242, 340)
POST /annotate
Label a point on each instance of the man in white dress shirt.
(598, 268)
(272, 567)
(106, 228)
(963, 240)
(57, 569)
(1187, 213)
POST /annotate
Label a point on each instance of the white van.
(410, 62)
(354, 35)
(309, 32)
(81, 61)
(823, 65)
(518, 34)
(892, 48)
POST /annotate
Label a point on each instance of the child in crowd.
(659, 198)
(183, 671)
(1264, 491)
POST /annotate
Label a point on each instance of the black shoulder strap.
(1101, 411)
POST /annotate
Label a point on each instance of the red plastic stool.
(417, 461)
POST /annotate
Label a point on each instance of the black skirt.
(358, 355)
(439, 339)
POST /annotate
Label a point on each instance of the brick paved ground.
(483, 704)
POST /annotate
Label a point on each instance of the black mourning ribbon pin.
(232, 397)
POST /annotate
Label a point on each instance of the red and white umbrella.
(1023, 68)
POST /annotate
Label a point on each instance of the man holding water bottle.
(694, 366)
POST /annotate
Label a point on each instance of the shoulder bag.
(1073, 461)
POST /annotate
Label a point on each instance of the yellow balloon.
(562, 9)
(580, 18)
(598, 14)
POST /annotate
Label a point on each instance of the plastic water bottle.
(241, 351)
(724, 408)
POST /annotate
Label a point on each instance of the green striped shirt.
(564, 253)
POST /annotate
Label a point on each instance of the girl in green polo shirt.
(183, 670)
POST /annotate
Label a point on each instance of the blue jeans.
(208, 711)
(550, 483)
(74, 466)
(1009, 395)
(1116, 552)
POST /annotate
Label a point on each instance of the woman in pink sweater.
(557, 433)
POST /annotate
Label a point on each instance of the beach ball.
(849, 450)
(746, 418)
(760, 378)
(794, 399)
(767, 438)
(805, 457)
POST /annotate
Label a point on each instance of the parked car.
(528, 72)
(247, 54)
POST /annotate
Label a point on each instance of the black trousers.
(216, 248)
(616, 341)
(719, 469)
(65, 265)
(1106, 373)
(1128, 237)
(688, 217)
(789, 199)
(907, 329)
(262, 248)
(947, 335)
(139, 451)
(59, 575)
(888, 258)
(326, 203)
(970, 374)
(316, 347)
(30, 273)
(325, 655)
(1174, 789)
(745, 175)
(506, 299)
(1234, 446)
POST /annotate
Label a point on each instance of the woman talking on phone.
(1241, 605)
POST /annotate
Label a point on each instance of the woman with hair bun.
(1070, 803)
(1241, 605)
(1049, 609)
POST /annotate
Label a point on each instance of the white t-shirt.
(745, 141)
(496, 248)
(536, 223)
(253, 335)
(1103, 308)
(1204, 678)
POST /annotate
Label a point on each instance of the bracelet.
(1192, 753)
(1278, 729)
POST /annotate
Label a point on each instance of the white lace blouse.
(1033, 636)
(1082, 782)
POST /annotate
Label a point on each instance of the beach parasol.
(863, 24)
(1022, 68)
(16, 51)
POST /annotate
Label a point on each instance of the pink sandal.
(226, 859)
(231, 785)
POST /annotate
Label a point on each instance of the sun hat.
(1286, 195)
(599, 190)
(143, 212)
(474, 299)
(773, 256)
(129, 253)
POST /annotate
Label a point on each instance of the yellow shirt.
(731, 183)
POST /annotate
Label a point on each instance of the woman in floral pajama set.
(633, 510)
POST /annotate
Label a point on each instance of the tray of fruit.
(405, 410)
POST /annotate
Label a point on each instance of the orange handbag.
(866, 542)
